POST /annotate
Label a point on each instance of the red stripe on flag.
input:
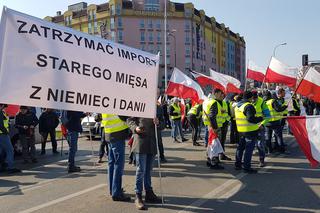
(182, 91)
(274, 77)
(204, 81)
(299, 130)
(254, 75)
(310, 90)
(233, 89)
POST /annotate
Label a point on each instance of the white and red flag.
(310, 84)
(279, 72)
(255, 72)
(216, 81)
(306, 130)
(233, 84)
(180, 85)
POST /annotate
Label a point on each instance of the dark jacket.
(28, 119)
(143, 143)
(2, 128)
(48, 121)
(250, 112)
(116, 136)
(160, 116)
(213, 114)
(74, 121)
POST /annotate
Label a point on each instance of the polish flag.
(12, 110)
(233, 84)
(255, 72)
(216, 81)
(180, 85)
(310, 84)
(306, 130)
(279, 72)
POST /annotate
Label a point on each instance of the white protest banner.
(47, 65)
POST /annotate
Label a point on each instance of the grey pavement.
(287, 184)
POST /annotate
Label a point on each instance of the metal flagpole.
(159, 167)
(165, 48)
(61, 141)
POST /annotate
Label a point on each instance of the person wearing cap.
(26, 121)
(5, 143)
(248, 125)
(261, 111)
(175, 113)
(212, 117)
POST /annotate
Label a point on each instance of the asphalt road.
(287, 184)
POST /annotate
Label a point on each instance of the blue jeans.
(6, 146)
(73, 146)
(247, 144)
(143, 173)
(278, 134)
(176, 127)
(116, 165)
(261, 145)
(206, 135)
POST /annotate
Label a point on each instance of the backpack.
(64, 118)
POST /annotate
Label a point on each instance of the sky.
(263, 23)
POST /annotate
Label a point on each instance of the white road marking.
(50, 203)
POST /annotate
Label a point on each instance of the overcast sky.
(263, 23)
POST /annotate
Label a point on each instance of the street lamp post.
(275, 48)
(171, 33)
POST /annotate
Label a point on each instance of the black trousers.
(234, 134)
(52, 134)
(194, 125)
(160, 144)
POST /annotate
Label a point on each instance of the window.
(150, 36)
(95, 27)
(141, 23)
(120, 22)
(120, 36)
(168, 59)
(112, 9)
(89, 28)
(152, 5)
(187, 50)
(187, 38)
(113, 36)
(151, 48)
(187, 62)
(142, 36)
(67, 21)
(94, 15)
(187, 25)
(168, 50)
(188, 12)
(150, 23)
(158, 24)
(112, 23)
(159, 37)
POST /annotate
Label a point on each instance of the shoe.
(55, 152)
(200, 138)
(74, 169)
(196, 144)
(184, 139)
(13, 170)
(43, 152)
(163, 160)
(250, 171)
(262, 164)
(122, 198)
(176, 141)
(237, 167)
(139, 203)
(100, 160)
(151, 197)
(216, 167)
(224, 157)
(34, 160)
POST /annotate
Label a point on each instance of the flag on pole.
(279, 72)
(216, 82)
(255, 72)
(233, 85)
(306, 130)
(310, 84)
(180, 85)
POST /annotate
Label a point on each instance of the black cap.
(4, 105)
(216, 90)
(247, 95)
(254, 93)
(23, 107)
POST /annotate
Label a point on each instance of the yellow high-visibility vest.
(176, 110)
(5, 122)
(258, 107)
(243, 125)
(275, 116)
(219, 118)
(225, 115)
(112, 123)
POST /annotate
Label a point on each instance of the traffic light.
(305, 60)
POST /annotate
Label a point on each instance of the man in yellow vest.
(193, 117)
(212, 117)
(225, 117)
(103, 145)
(175, 115)
(248, 127)
(296, 111)
(274, 125)
(116, 132)
(5, 143)
(261, 111)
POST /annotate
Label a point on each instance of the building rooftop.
(179, 7)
